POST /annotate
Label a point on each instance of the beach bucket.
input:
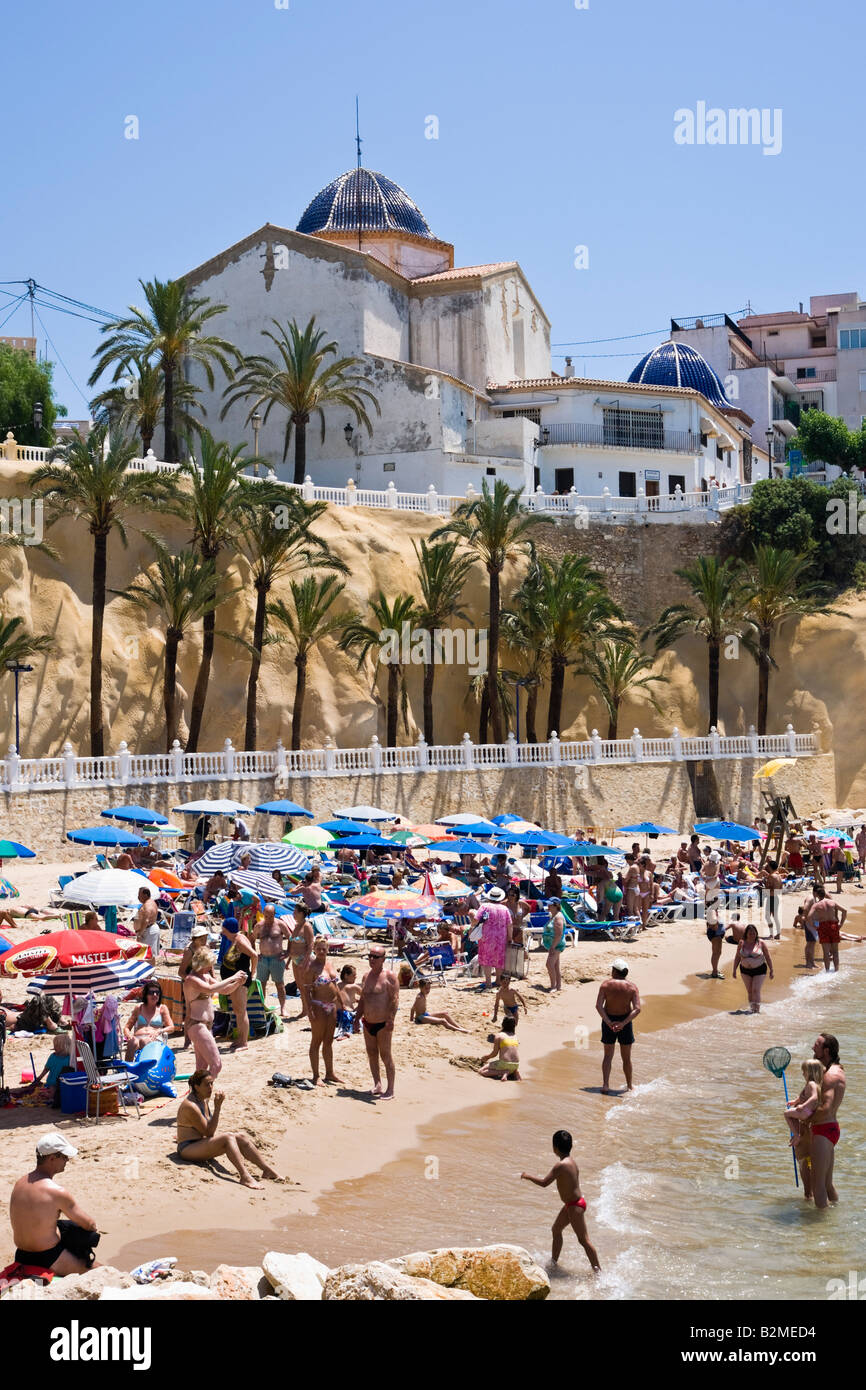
(73, 1093)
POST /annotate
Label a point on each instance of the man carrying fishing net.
(825, 1126)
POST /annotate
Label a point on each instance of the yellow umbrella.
(773, 766)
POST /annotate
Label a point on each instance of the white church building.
(459, 360)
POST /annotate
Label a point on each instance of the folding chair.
(118, 1081)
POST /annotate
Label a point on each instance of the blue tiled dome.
(679, 364)
(363, 196)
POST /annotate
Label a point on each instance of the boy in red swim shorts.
(567, 1178)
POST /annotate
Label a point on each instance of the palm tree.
(716, 611)
(137, 404)
(169, 332)
(302, 383)
(478, 691)
(18, 645)
(183, 589)
(441, 576)
(218, 503)
(575, 609)
(84, 479)
(775, 592)
(308, 620)
(390, 616)
(525, 632)
(494, 528)
(277, 541)
(616, 666)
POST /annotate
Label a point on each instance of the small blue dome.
(365, 198)
(679, 364)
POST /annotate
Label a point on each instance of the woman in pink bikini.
(324, 998)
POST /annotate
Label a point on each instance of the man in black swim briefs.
(619, 1004)
(43, 1241)
(377, 1010)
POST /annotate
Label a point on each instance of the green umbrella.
(311, 837)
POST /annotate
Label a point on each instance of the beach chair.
(97, 1082)
(264, 1018)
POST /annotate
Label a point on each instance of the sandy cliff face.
(818, 683)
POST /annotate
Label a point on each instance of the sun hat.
(619, 964)
(54, 1143)
(495, 895)
(199, 930)
(714, 856)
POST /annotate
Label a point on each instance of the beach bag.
(515, 961)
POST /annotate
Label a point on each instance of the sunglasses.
(370, 956)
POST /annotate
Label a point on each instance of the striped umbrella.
(262, 884)
(221, 856)
(269, 855)
(121, 974)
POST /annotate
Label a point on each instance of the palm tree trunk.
(300, 693)
(251, 732)
(557, 686)
(169, 687)
(484, 715)
(713, 682)
(300, 451)
(146, 441)
(199, 695)
(394, 672)
(168, 415)
(429, 677)
(763, 679)
(100, 565)
(613, 721)
(493, 659)
(531, 712)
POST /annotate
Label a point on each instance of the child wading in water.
(798, 1114)
(567, 1178)
(507, 1064)
(419, 1014)
(509, 999)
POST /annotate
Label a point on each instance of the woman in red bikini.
(567, 1178)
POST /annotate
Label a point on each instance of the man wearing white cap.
(619, 1004)
(43, 1241)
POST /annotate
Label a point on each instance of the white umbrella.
(106, 888)
(460, 818)
(214, 808)
(365, 813)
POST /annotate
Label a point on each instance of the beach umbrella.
(479, 827)
(343, 826)
(727, 830)
(57, 952)
(118, 974)
(10, 849)
(409, 839)
(137, 815)
(441, 886)
(221, 856)
(645, 827)
(267, 855)
(585, 849)
(7, 889)
(282, 808)
(457, 845)
(109, 836)
(368, 841)
(459, 818)
(106, 888)
(531, 839)
(309, 837)
(365, 813)
(263, 884)
(214, 808)
(395, 904)
(510, 819)
(430, 831)
(776, 1059)
(772, 767)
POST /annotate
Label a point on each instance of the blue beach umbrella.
(585, 849)
(136, 815)
(646, 827)
(270, 855)
(727, 830)
(109, 836)
(282, 808)
(531, 839)
(480, 827)
(459, 846)
(341, 826)
(506, 819)
(371, 841)
(10, 849)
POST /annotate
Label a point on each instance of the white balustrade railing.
(233, 765)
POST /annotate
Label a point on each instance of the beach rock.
(378, 1282)
(160, 1292)
(89, 1285)
(24, 1291)
(505, 1273)
(244, 1282)
(295, 1276)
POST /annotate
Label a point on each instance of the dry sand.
(126, 1173)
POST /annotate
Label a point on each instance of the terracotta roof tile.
(465, 272)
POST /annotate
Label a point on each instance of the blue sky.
(556, 129)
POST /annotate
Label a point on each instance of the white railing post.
(641, 499)
(792, 739)
(281, 762)
(392, 496)
(176, 761)
(69, 777)
(421, 756)
(432, 499)
(330, 755)
(753, 741)
(606, 500)
(715, 743)
(471, 494)
(554, 748)
(13, 768)
(308, 489)
(468, 760)
(738, 486)
(679, 498)
(573, 499)
(375, 755)
(351, 493)
(636, 746)
(123, 763)
(595, 740)
(228, 758)
(713, 498)
(539, 500)
(677, 744)
(511, 754)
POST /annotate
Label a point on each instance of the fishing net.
(776, 1059)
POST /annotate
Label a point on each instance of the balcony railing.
(804, 382)
(623, 436)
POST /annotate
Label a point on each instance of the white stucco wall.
(507, 301)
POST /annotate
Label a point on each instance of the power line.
(623, 337)
(15, 306)
(62, 363)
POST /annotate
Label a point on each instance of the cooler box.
(73, 1093)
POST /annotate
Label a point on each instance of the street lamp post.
(769, 434)
(17, 670)
(256, 422)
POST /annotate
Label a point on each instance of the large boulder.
(501, 1272)
(295, 1276)
(245, 1282)
(378, 1282)
(71, 1287)
(161, 1292)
